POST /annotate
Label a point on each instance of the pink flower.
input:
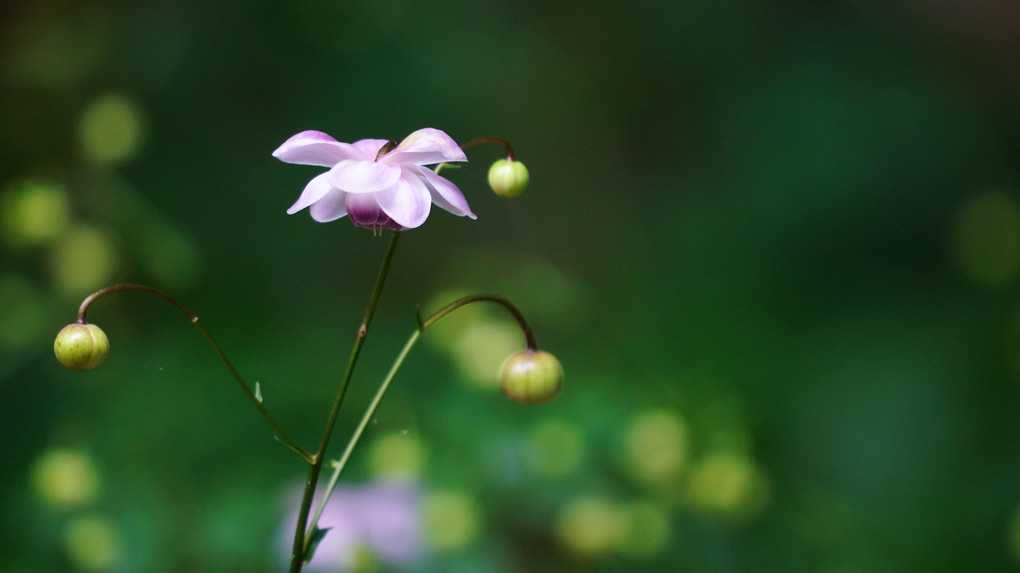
(378, 185)
(382, 518)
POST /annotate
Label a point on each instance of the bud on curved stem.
(508, 178)
(531, 377)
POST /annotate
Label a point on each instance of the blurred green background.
(774, 243)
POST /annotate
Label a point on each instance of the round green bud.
(531, 377)
(81, 346)
(507, 178)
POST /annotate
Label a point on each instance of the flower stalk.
(299, 552)
(492, 139)
(281, 434)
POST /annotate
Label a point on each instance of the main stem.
(280, 432)
(365, 419)
(298, 551)
(338, 468)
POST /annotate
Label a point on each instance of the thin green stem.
(298, 551)
(339, 466)
(280, 432)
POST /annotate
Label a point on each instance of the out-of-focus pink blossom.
(381, 518)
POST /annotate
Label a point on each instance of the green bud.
(531, 377)
(507, 178)
(81, 346)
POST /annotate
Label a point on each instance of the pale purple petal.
(445, 193)
(365, 211)
(407, 202)
(363, 176)
(425, 147)
(370, 147)
(314, 191)
(331, 207)
(316, 148)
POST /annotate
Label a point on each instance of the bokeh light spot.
(481, 349)
(83, 260)
(986, 238)
(557, 448)
(727, 485)
(448, 330)
(647, 530)
(590, 526)
(93, 543)
(33, 212)
(22, 316)
(171, 260)
(57, 50)
(1013, 535)
(364, 559)
(656, 447)
(450, 519)
(396, 456)
(1011, 341)
(65, 478)
(111, 129)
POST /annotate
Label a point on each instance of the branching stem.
(300, 547)
(377, 399)
(280, 432)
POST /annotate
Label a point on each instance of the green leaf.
(314, 539)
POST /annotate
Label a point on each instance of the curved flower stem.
(529, 336)
(299, 550)
(492, 139)
(338, 467)
(280, 432)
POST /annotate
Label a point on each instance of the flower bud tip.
(81, 346)
(508, 178)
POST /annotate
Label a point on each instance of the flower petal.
(316, 148)
(407, 202)
(363, 176)
(445, 193)
(315, 190)
(425, 147)
(331, 207)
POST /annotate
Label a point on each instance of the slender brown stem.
(492, 139)
(283, 435)
(529, 336)
(85, 304)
